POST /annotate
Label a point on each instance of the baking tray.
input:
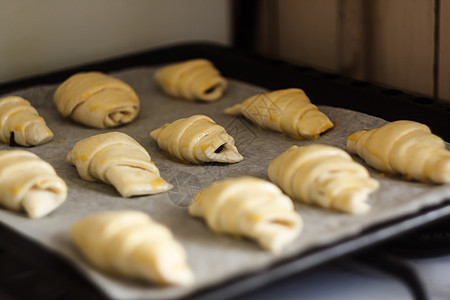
(47, 275)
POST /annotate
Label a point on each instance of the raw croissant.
(117, 159)
(288, 111)
(323, 175)
(130, 243)
(97, 100)
(195, 79)
(21, 123)
(403, 147)
(29, 183)
(197, 139)
(249, 207)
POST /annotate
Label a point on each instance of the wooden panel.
(400, 41)
(352, 39)
(383, 41)
(444, 59)
(308, 32)
(266, 35)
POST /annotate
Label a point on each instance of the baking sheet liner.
(213, 258)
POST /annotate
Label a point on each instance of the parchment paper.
(213, 258)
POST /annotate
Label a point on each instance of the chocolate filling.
(12, 141)
(212, 89)
(220, 149)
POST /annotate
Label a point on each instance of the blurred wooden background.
(401, 44)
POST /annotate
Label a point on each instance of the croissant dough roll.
(21, 123)
(403, 147)
(323, 175)
(197, 139)
(117, 159)
(28, 183)
(249, 207)
(130, 243)
(97, 100)
(288, 111)
(195, 79)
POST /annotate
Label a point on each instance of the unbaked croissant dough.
(130, 243)
(249, 207)
(21, 123)
(28, 183)
(325, 176)
(197, 139)
(403, 147)
(288, 111)
(97, 100)
(195, 79)
(117, 159)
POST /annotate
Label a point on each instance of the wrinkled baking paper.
(213, 258)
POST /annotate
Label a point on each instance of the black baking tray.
(29, 271)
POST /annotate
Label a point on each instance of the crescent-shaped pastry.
(195, 79)
(20, 123)
(130, 243)
(325, 176)
(403, 147)
(197, 139)
(28, 183)
(117, 159)
(249, 207)
(97, 100)
(288, 111)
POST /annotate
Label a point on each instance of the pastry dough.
(403, 147)
(97, 100)
(130, 243)
(197, 139)
(20, 123)
(195, 79)
(117, 159)
(288, 111)
(325, 176)
(249, 207)
(28, 183)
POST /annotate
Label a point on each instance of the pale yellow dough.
(288, 111)
(197, 139)
(325, 176)
(130, 243)
(17, 116)
(195, 79)
(117, 159)
(28, 183)
(97, 100)
(403, 147)
(249, 207)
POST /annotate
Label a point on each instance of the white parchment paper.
(213, 258)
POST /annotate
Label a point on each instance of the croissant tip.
(155, 133)
(227, 154)
(39, 203)
(234, 110)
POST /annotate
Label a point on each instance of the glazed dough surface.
(249, 207)
(28, 183)
(288, 111)
(325, 176)
(403, 147)
(195, 79)
(97, 100)
(197, 139)
(117, 159)
(19, 118)
(130, 243)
